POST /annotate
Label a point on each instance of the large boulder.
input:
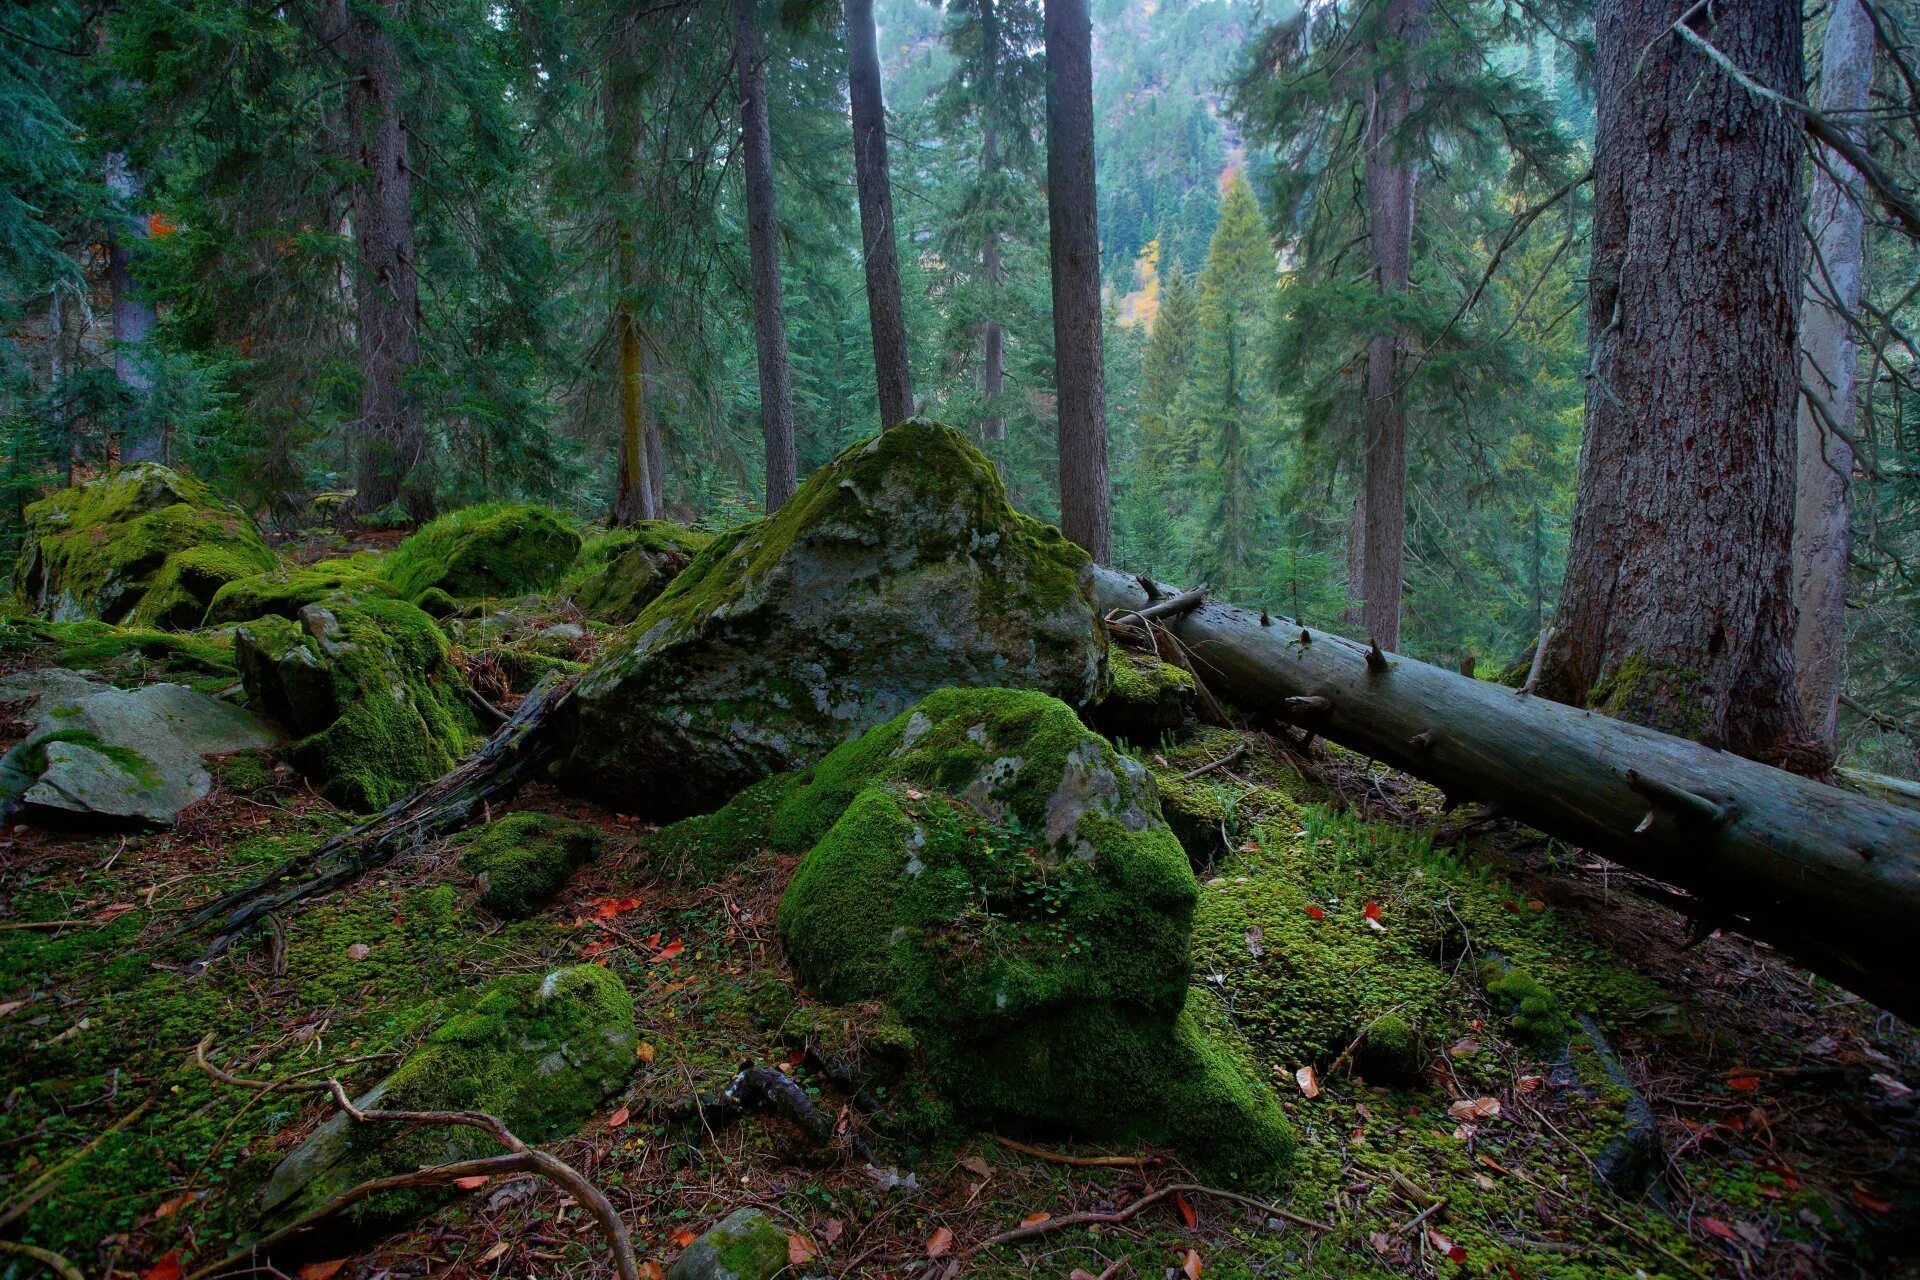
(287, 590)
(622, 572)
(143, 545)
(494, 549)
(367, 688)
(540, 1051)
(999, 876)
(896, 570)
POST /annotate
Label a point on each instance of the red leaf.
(608, 908)
(1870, 1201)
(323, 1269)
(168, 1268)
(939, 1243)
(158, 227)
(471, 1183)
(1745, 1082)
(1315, 913)
(668, 952)
(1715, 1227)
(1371, 911)
(1187, 1215)
(618, 1118)
(1453, 1251)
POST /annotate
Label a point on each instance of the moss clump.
(1000, 877)
(366, 686)
(437, 604)
(623, 571)
(522, 860)
(494, 549)
(1390, 1051)
(245, 772)
(745, 1245)
(542, 1052)
(1148, 701)
(144, 545)
(1534, 1014)
(285, 592)
(130, 653)
(1659, 695)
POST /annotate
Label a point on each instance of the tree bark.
(877, 242)
(1823, 503)
(656, 465)
(1073, 242)
(1830, 877)
(620, 101)
(133, 315)
(1392, 95)
(1676, 609)
(763, 254)
(392, 434)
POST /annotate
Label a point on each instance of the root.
(766, 1089)
(1113, 1217)
(1078, 1162)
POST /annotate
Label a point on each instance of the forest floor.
(1783, 1105)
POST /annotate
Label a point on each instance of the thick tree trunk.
(1073, 241)
(1830, 877)
(763, 253)
(392, 435)
(993, 356)
(878, 248)
(133, 315)
(1823, 504)
(1676, 610)
(620, 103)
(1391, 97)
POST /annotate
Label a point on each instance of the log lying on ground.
(1830, 877)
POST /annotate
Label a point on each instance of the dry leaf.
(668, 952)
(9, 1006)
(321, 1270)
(977, 1167)
(1475, 1109)
(170, 1207)
(1191, 1265)
(800, 1250)
(618, 1118)
(499, 1247)
(682, 1238)
(168, 1268)
(1308, 1081)
(830, 1231)
(1255, 936)
(1715, 1227)
(114, 912)
(1187, 1215)
(643, 1051)
(1080, 1273)
(359, 951)
(651, 1271)
(1894, 1088)
(1453, 1251)
(1035, 1219)
(470, 1183)
(1465, 1047)
(1527, 1084)
(939, 1243)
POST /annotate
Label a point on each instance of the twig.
(38, 1188)
(45, 1257)
(1221, 763)
(1539, 660)
(1078, 1162)
(44, 924)
(1113, 1217)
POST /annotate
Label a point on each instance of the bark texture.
(763, 253)
(877, 243)
(386, 290)
(1676, 610)
(1392, 95)
(1830, 877)
(1073, 242)
(133, 315)
(620, 102)
(1823, 505)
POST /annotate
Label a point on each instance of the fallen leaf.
(1745, 1082)
(1381, 1241)
(1191, 1265)
(1370, 912)
(682, 1238)
(1254, 937)
(1870, 1201)
(608, 908)
(471, 1183)
(1035, 1219)
(643, 1051)
(619, 1118)
(1527, 1084)
(359, 951)
(1894, 1088)
(1475, 1109)
(1309, 1082)
(977, 1167)
(321, 1269)
(1453, 1251)
(1187, 1215)
(939, 1242)
(668, 952)
(168, 1268)
(9, 1006)
(499, 1247)
(1081, 1273)
(1715, 1227)
(170, 1207)
(800, 1250)
(830, 1231)
(651, 1271)
(114, 911)
(1375, 925)
(1465, 1047)
(1315, 913)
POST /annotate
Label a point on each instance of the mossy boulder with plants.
(285, 591)
(367, 689)
(896, 570)
(522, 860)
(999, 876)
(144, 545)
(493, 549)
(1148, 701)
(621, 572)
(540, 1051)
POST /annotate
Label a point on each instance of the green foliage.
(621, 572)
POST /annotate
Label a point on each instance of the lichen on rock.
(522, 860)
(896, 570)
(144, 545)
(493, 549)
(366, 687)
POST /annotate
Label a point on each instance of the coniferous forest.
(719, 640)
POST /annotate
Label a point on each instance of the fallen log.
(1830, 877)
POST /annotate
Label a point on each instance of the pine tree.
(1167, 364)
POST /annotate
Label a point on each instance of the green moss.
(437, 604)
(245, 772)
(522, 860)
(1148, 700)
(143, 544)
(130, 654)
(1660, 695)
(745, 1245)
(284, 592)
(622, 571)
(1533, 1013)
(494, 549)
(367, 687)
(32, 759)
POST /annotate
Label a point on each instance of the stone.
(744, 1245)
(896, 570)
(621, 572)
(493, 549)
(522, 860)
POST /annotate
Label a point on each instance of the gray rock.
(744, 1245)
(101, 754)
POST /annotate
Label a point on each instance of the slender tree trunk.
(763, 253)
(656, 464)
(392, 435)
(1391, 96)
(620, 100)
(993, 358)
(878, 248)
(1823, 506)
(1357, 562)
(133, 315)
(1676, 610)
(1073, 242)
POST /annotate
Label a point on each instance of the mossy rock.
(284, 592)
(540, 1051)
(130, 655)
(522, 860)
(366, 687)
(744, 1245)
(999, 876)
(494, 549)
(896, 570)
(144, 545)
(621, 572)
(1148, 702)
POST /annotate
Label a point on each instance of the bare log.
(1830, 877)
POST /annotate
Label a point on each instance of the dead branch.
(45, 1257)
(1113, 1217)
(757, 1089)
(1077, 1162)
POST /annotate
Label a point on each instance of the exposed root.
(767, 1089)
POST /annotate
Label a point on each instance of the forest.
(905, 639)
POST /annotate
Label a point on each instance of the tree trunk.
(993, 357)
(763, 254)
(1391, 97)
(1357, 562)
(392, 435)
(1676, 610)
(133, 315)
(1073, 242)
(877, 244)
(1830, 877)
(620, 101)
(1823, 505)
(656, 464)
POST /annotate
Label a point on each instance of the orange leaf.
(939, 1243)
(1745, 1082)
(1870, 1201)
(173, 1206)
(1191, 1265)
(168, 1268)
(1453, 1251)
(799, 1250)
(608, 908)
(321, 1270)
(158, 227)
(643, 1051)
(1035, 1219)
(651, 1271)
(682, 1238)
(470, 1183)
(618, 1118)
(1187, 1215)
(1715, 1227)
(668, 952)
(1371, 911)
